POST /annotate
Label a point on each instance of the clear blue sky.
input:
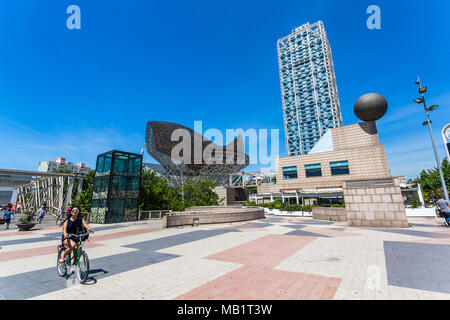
(76, 93)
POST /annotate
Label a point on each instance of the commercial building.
(61, 163)
(308, 87)
(347, 153)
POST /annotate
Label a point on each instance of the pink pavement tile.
(55, 227)
(258, 280)
(254, 283)
(15, 233)
(33, 252)
(91, 243)
(268, 251)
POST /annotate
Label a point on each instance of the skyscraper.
(308, 87)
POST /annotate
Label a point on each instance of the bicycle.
(80, 258)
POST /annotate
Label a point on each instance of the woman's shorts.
(77, 240)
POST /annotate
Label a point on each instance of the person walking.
(41, 214)
(44, 206)
(60, 214)
(444, 208)
(7, 217)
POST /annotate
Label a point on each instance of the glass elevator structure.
(115, 196)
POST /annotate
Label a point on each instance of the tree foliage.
(430, 180)
(83, 200)
(200, 192)
(156, 194)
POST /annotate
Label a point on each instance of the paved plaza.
(272, 258)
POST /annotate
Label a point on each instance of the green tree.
(156, 194)
(199, 192)
(430, 180)
(84, 198)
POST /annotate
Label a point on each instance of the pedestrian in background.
(41, 214)
(60, 214)
(7, 217)
(44, 205)
(444, 208)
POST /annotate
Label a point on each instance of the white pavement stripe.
(17, 266)
(164, 280)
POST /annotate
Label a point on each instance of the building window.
(290, 173)
(313, 170)
(339, 167)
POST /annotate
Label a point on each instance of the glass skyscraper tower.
(308, 87)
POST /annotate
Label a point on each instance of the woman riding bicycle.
(72, 226)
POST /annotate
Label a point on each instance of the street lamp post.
(422, 90)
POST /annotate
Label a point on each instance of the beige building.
(345, 153)
(61, 163)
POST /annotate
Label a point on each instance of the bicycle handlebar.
(78, 235)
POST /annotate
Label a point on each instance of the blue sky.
(77, 93)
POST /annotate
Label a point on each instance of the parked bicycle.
(79, 259)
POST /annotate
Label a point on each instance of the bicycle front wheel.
(62, 268)
(83, 267)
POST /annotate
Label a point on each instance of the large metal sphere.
(370, 107)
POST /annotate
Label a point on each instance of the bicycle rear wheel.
(62, 268)
(83, 267)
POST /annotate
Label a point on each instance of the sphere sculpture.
(370, 107)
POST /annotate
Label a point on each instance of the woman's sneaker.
(446, 223)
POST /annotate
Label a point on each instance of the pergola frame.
(35, 187)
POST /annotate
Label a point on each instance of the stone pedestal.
(375, 203)
(227, 194)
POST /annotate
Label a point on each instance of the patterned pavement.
(273, 258)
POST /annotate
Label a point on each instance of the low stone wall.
(333, 214)
(213, 215)
(375, 203)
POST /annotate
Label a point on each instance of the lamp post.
(422, 90)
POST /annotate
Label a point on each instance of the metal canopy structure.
(251, 179)
(203, 158)
(35, 187)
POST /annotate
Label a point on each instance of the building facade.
(346, 153)
(308, 87)
(61, 163)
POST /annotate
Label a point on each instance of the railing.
(152, 214)
(53, 211)
(143, 215)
